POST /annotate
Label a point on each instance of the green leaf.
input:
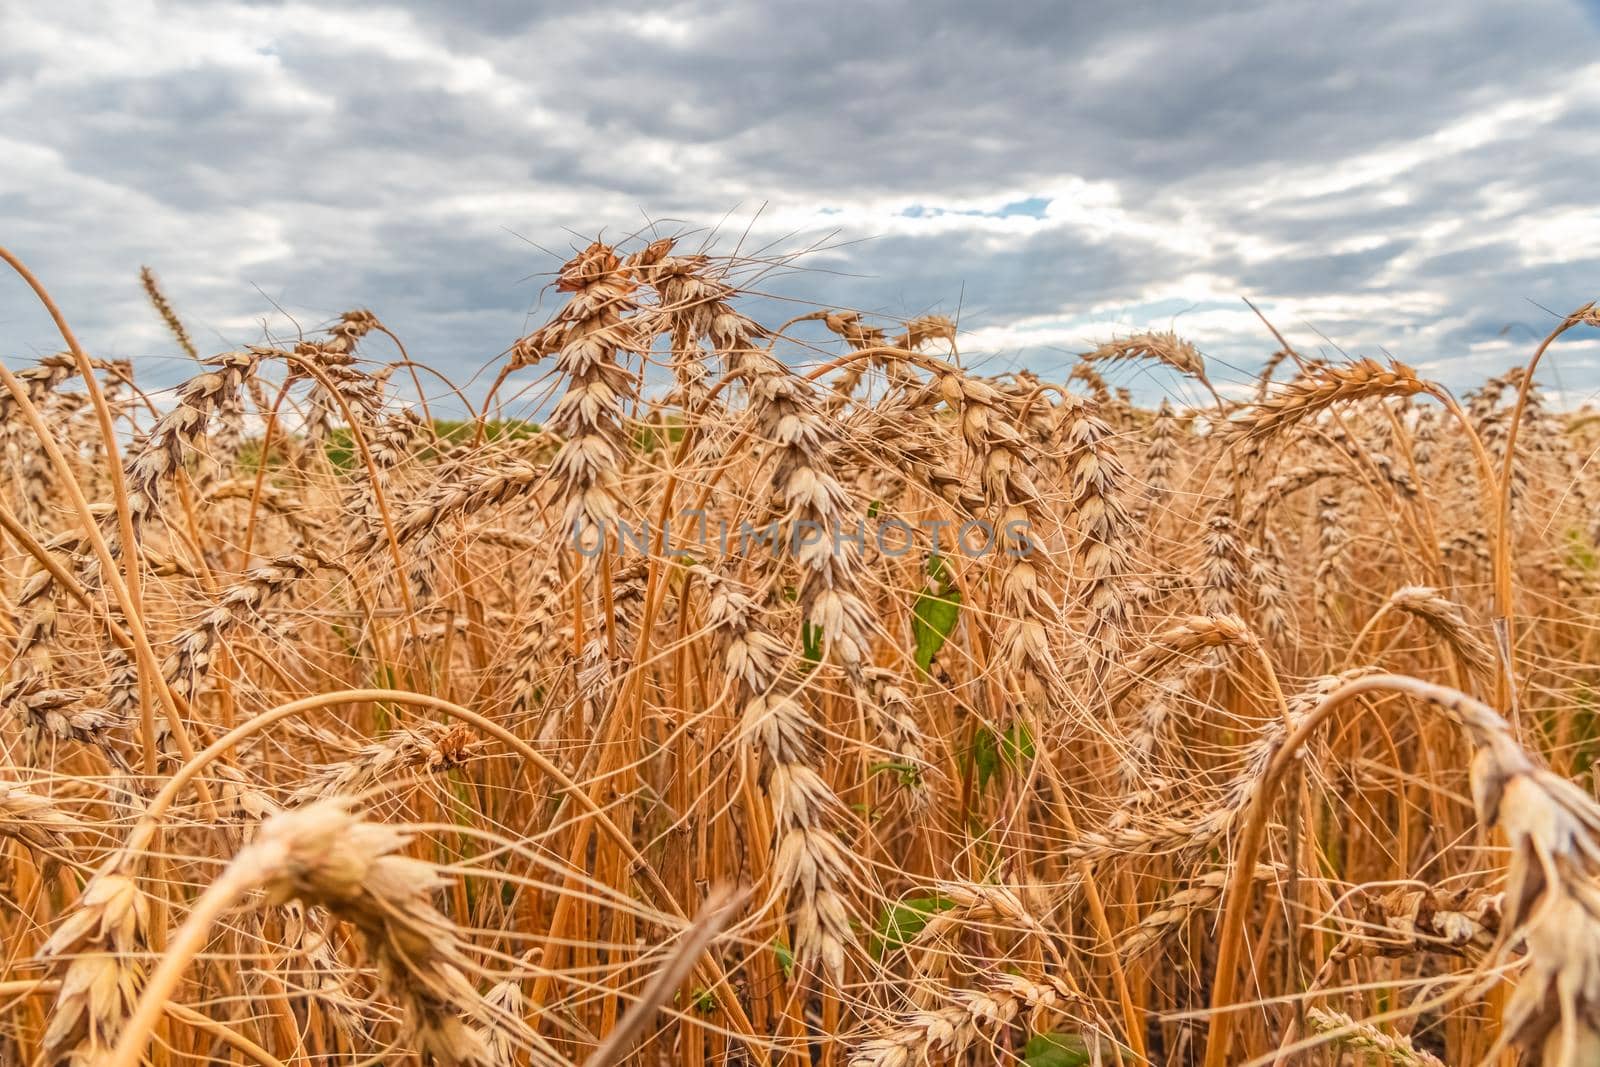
(908, 773)
(873, 509)
(1012, 749)
(1579, 553)
(811, 638)
(1056, 1050)
(902, 922)
(785, 957)
(934, 615)
(985, 755)
(1017, 745)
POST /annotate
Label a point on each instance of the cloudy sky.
(1419, 180)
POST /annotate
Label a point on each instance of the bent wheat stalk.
(1553, 896)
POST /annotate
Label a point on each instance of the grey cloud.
(411, 161)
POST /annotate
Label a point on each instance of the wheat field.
(721, 696)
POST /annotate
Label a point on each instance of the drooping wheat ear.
(1084, 372)
(38, 615)
(809, 860)
(902, 431)
(588, 336)
(328, 978)
(455, 496)
(947, 1033)
(1014, 907)
(431, 749)
(161, 456)
(1376, 456)
(49, 716)
(421, 570)
(194, 650)
(1160, 456)
(1318, 390)
(1166, 348)
(1148, 833)
(158, 300)
(391, 439)
(1180, 641)
(352, 326)
(324, 855)
(857, 333)
(1268, 369)
(596, 686)
(924, 330)
(39, 381)
(1552, 887)
(810, 864)
(40, 479)
(36, 821)
(859, 336)
(1259, 510)
(1367, 1040)
(1098, 485)
(37, 605)
(506, 1000)
(1417, 919)
(1552, 898)
(99, 951)
(222, 443)
(1176, 910)
(1137, 767)
(120, 699)
(1003, 912)
(1449, 620)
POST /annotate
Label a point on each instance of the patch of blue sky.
(1033, 207)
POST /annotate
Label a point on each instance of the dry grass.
(1247, 732)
